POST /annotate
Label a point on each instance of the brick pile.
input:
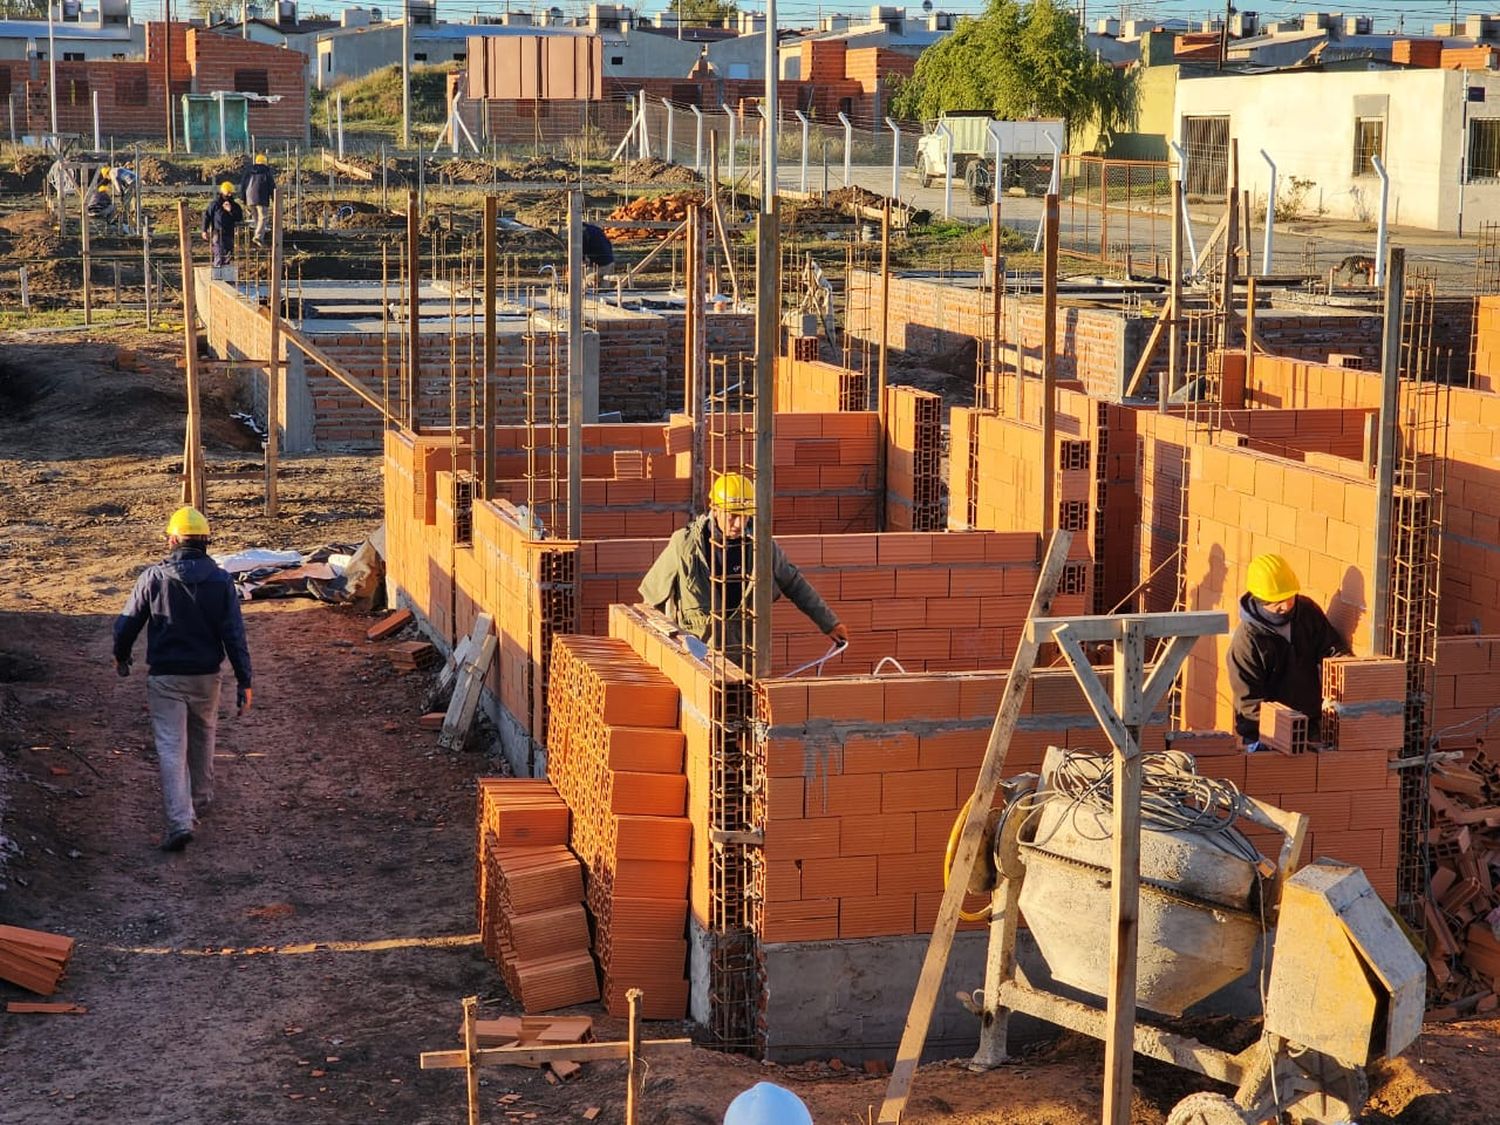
(1363, 703)
(914, 451)
(1462, 909)
(530, 891)
(616, 754)
(34, 959)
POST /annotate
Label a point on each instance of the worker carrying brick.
(191, 613)
(715, 552)
(259, 188)
(222, 216)
(1276, 653)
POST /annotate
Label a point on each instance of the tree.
(703, 13)
(1018, 59)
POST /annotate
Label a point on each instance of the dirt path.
(291, 964)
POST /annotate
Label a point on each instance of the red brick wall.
(215, 59)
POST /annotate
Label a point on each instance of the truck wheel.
(926, 179)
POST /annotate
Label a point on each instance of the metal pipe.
(848, 145)
(1052, 186)
(767, 348)
(406, 74)
(94, 97)
(645, 137)
(667, 156)
(697, 139)
(575, 363)
(802, 117)
(1187, 222)
(947, 135)
(223, 128)
(895, 158)
(1268, 244)
(52, 68)
(338, 107)
(1382, 234)
(732, 209)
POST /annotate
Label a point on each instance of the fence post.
(802, 117)
(697, 139)
(645, 138)
(1268, 246)
(848, 145)
(895, 158)
(667, 156)
(948, 171)
(1381, 234)
(731, 159)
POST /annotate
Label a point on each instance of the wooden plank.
(919, 1016)
(466, 696)
(1163, 320)
(44, 1008)
(57, 946)
(537, 1056)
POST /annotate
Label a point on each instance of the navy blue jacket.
(259, 185)
(597, 249)
(221, 221)
(191, 615)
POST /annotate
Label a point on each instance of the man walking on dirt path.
(259, 188)
(220, 220)
(191, 614)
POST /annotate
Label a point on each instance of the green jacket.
(678, 584)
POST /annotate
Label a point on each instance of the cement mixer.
(1345, 986)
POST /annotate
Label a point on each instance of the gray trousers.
(184, 719)
(262, 219)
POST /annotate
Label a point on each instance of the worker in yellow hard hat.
(221, 219)
(259, 189)
(190, 610)
(703, 578)
(1276, 653)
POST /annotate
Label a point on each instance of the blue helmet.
(766, 1103)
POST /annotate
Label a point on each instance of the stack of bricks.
(617, 754)
(914, 450)
(530, 890)
(1364, 700)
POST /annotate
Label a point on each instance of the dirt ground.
(319, 933)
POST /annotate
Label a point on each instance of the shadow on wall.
(1209, 594)
(1348, 605)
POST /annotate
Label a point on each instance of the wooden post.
(274, 368)
(883, 369)
(486, 449)
(1231, 236)
(1125, 889)
(192, 460)
(413, 320)
(1168, 385)
(1049, 365)
(88, 280)
(1249, 334)
(575, 365)
(919, 1016)
(697, 391)
(635, 1075)
(471, 1048)
(1386, 447)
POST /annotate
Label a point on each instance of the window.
(329, 67)
(1206, 141)
(72, 56)
(1484, 149)
(78, 91)
(5, 82)
(460, 56)
(130, 89)
(1369, 142)
(252, 82)
(616, 60)
(420, 56)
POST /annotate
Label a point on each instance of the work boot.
(176, 840)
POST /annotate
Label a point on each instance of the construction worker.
(220, 219)
(191, 614)
(1277, 651)
(100, 203)
(259, 188)
(766, 1103)
(705, 571)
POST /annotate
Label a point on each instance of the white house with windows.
(1436, 131)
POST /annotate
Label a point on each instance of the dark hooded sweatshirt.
(191, 614)
(1280, 662)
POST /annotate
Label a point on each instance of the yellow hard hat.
(733, 493)
(104, 173)
(187, 522)
(226, 188)
(1271, 579)
(104, 188)
(260, 158)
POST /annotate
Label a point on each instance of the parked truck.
(973, 148)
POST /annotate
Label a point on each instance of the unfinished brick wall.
(1470, 589)
(1241, 504)
(1467, 689)
(810, 386)
(913, 460)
